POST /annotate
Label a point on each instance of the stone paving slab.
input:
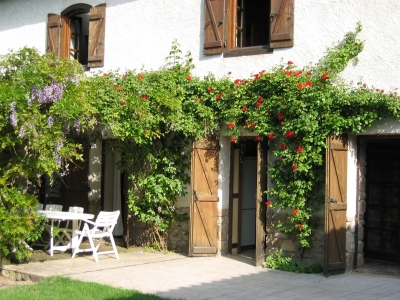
(225, 277)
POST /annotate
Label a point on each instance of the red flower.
(260, 99)
(229, 73)
(123, 103)
(246, 81)
(290, 134)
(299, 86)
(258, 138)
(231, 125)
(297, 74)
(288, 73)
(248, 123)
(290, 62)
(116, 143)
(271, 136)
(189, 78)
(233, 140)
(105, 74)
(324, 76)
(283, 146)
(245, 108)
(237, 81)
(258, 104)
(308, 84)
(143, 97)
(268, 203)
(140, 76)
(382, 91)
(294, 167)
(253, 126)
(280, 116)
(117, 88)
(218, 97)
(210, 89)
(308, 73)
(300, 226)
(299, 150)
(282, 123)
(295, 211)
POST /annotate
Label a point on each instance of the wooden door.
(76, 184)
(335, 205)
(203, 207)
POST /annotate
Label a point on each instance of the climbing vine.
(152, 117)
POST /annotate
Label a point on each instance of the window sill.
(256, 50)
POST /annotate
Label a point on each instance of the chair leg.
(114, 246)
(94, 249)
(79, 242)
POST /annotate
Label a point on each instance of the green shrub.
(276, 261)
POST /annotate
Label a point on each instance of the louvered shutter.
(282, 23)
(53, 34)
(97, 19)
(213, 26)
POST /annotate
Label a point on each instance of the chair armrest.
(89, 222)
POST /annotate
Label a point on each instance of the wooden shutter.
(97, 20)
(282, 23)
(213, 26)
(335, 205)
(260, 202)
(53, 34)
(203, 208)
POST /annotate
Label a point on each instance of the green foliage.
(276, 261)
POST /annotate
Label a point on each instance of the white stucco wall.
(139, 34)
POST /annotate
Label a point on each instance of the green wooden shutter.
(213, 26)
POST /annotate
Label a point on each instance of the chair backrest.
(54, 207)
(76, 209)
(107, 218)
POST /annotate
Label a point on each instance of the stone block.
(360, 233)
(350, 245)
(363, 205)
(360, 260)
(360, 247)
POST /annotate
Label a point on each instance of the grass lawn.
(61, 288)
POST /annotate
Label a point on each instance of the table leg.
(51, 237)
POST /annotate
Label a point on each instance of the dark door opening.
(382, 214)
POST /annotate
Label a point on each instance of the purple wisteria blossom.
(13, 115)
(50, 121)
(74, 80)
(78, 126)
(49, 94)
(22, 132)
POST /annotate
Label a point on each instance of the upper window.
(242, 27)
(78, 33)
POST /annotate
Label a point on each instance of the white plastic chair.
(65, 230)
(102, 227)
(41, 241)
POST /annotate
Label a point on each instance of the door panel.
(335, 205)
(203, 210)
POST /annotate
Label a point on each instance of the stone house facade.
(241, 37)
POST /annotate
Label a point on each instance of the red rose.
(280, 116)
(258, 104)
(210, 89)
(308, 84)
(229, 73)
(231, 125)
(117, 88)
(143, 97)
(218, 97)
(237, 81)
(246, 81)
(290, 62)
(245, 108)
(248, 123)
(105, 74)
(189, 78)
(299, 86)
(270, 136)
(282, 123)
(258, 138)
(300, 226)
(140, 76)
(324, 76)
(295, 211)
(233, 140)
(268, 203)
(299, 150)
(308, 73)
(288, 73)
(297, 74)
(290, 134)
(283, 146)
(260, 99)
(294, 167)
(253, 126)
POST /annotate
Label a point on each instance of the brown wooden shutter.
(262, 151)
(335, 205)
(53, 34)
(203, 207)
(97, 20)
(282, 23)
(213, 26)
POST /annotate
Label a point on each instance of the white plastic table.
(63, 216)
